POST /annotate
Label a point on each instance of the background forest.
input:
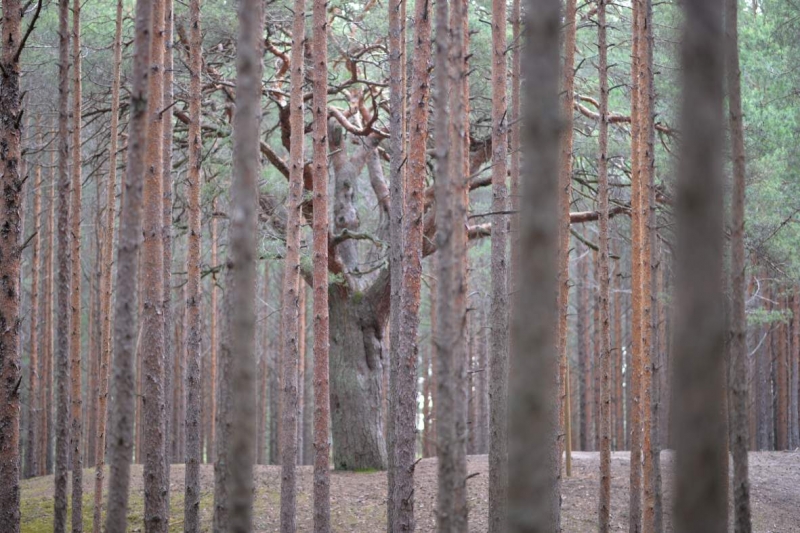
(367, 400)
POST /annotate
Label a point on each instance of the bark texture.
(604, 512)
(739, 403)
(10, 212)
(534, 484)
(194, 325)
(322, 409)
(122, 415)
(499, 345)
(34, 405)
(106, 276)
(242, 264)
(291, 279)
(76, 428)
(701, 492)
(63, 257)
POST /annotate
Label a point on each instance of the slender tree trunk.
(701, 494)
(534, 483)
(274, 396)
(498, 362)
(64, 280)
(604, 512)
(76, 276)
(170, 349)
(291, 279)
(584, 353)
(34, 405)
(224, 415)
(637, 355)
(11, 180)
(46, 457)
(322, 409)
(308, 393)
(194, 383)
(396, 263)
(153, 343)
(242, 264)
(647, 222)
(263, 371)
(619, 396)
(121, 419)
(565, 197)
(781, 388)
(106, 276)
(302, 316)
(213, 340)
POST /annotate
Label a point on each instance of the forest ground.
(358, 499)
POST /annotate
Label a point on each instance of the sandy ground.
(358, 499)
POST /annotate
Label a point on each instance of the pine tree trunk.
(213, 328)
(701, 493)
(121, 418)
(534, 482)
(291, 279)
(263, 370)
(46, 457)
(11, 180)
(565, 197)
(322, 409)
(604, 513)
(194, 297)
(242, 263)
(781, 386)
(62, 355)
(170, 348)
(499, 344)
(34, 405)
(302, 315)
(153, 343)
(76, 273)
(584, 366)
(794, 409)
(107, 278)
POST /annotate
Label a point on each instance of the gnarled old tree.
(359, 295)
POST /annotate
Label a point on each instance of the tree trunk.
(170, 348)
(584, 354)
(604, 513)
(781, 387)
(76, 273)
(356, 368)
(214, 319)
(153, 344)
(120, 450)
(322, 407)
(451, 272)
(49, 340)
(194, 319)
(106, 277)
(534, 482)
(565, 198)
(291, 279)
(242, 263)
(34, 405)
(64, 280)
(701, 494)
(498, 362)
(11, 181)
(794, 409)
(263, 370)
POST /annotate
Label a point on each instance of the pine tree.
(291, 279)
(534, 482)
(701, 492)
(121, 417)
(322, 410)
(76, 276)
(194, 398)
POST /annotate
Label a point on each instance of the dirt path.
(358, 498)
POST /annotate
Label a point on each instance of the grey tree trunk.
(64, 280)
(534, 487)
(242, 264)
(701, 492)
(123, 406)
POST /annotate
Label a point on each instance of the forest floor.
(358, 499)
